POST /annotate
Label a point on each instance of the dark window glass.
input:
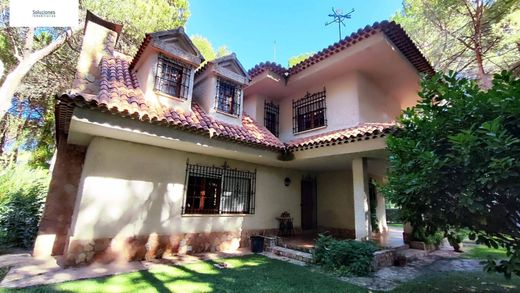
(271, 117)
(228, 97)
(214, 190)
(309, 112)
(172, 77)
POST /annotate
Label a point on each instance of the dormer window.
(172, 77)
(228, 97)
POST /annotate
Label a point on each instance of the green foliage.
(140, 16)
(206, 48)
(454, 164)
(457, 235)
(344, 256)
(450, 32)
(393, 216)
(22, 196)
(428, 237)
(299, 58)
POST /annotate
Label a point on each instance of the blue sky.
(250, 28)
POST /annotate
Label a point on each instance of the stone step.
(411, 254)
(297, 247)
(291, 253)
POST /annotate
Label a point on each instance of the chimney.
(99, 39)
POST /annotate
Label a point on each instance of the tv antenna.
(339, 17)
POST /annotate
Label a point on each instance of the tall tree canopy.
(473, 37)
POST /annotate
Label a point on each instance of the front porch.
(390, 239)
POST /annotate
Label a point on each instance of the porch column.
(361, 209)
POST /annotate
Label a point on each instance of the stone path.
(389, 278)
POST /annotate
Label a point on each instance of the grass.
(483, 252)
(257, 273)
(461, 282)
(246, 274)
(398, 225)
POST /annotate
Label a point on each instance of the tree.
(454, 164)
(29, 46)
(474, 37)
(49, 74)
(206, 48)
(299, 58)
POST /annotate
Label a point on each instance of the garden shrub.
(22, 197)
(393, 216)
(345, 257)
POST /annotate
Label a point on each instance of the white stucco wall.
(131, 189)
(335, 199)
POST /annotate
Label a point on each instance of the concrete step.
(291, 253)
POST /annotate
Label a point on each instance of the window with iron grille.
(228, 97)
(219, 190)
(172, 77)
(271, 117)
(309, 112)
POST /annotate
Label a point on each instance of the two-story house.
(163, 153)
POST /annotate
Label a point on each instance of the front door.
(308, 203)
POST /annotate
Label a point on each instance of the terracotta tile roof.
(120, 94)
(264, 66)
(391, 29)
(360, 132)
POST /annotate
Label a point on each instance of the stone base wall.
(59, 205)
(154, 246)
(383, 258)
(343, 233)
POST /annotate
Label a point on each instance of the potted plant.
(455, 238)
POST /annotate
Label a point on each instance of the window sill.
(214, 215)
(227, 114)
(159, 93)
(310, 130)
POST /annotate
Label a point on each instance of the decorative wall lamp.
(287, 181)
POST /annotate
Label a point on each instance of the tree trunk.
(15, 77)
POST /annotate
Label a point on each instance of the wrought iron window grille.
(309, 112)
(228, 97)
(271, 117)
(172, 77)
(218, 190)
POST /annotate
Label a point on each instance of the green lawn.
(247, 274)
(482, 252)
(260, 274)
(398, 225)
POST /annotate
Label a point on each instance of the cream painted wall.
(132, 189)
(335, 200)
(342, 107)
(375, 105)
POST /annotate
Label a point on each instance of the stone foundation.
(154, 246)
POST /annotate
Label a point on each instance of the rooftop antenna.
(338, 16)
